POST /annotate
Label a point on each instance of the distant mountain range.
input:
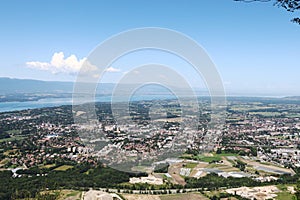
(9, 86)
(12, 89)
(12, 86)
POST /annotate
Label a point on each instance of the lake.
(52, 102)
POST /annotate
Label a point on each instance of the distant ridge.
(21, 86)
(11, 85)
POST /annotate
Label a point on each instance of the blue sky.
(254, 45)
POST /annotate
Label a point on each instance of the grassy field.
(201, 158)
(14, 132)
(12, 139)
(191, 165)
(74, 193)
(63, 194)
(225, 154)
(14, 135)
(63, 168)
(266, 114)
(285, 195)
(215, 157)
(47, 166)
(208, 158)
(243, 108)
(141, 168)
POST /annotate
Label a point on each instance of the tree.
(289, 5)
(297, 194)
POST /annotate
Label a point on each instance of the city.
(149, 100)
(259, 144)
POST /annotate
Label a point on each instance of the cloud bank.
(60, 64)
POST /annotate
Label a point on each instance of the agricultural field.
(266, 114)
(191, 165)
(193, 196)
(61, 194)
(63, 168)
(12, 139)
(183, 197)
(71, 195)
(211, 157)
(140, 197)
(47, 166)
(285, 192)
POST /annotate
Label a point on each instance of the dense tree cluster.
(81, 176)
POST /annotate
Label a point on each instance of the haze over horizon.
(14, 85)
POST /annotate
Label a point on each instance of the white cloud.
(111, 69)
(68, 65)
(59, 64)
